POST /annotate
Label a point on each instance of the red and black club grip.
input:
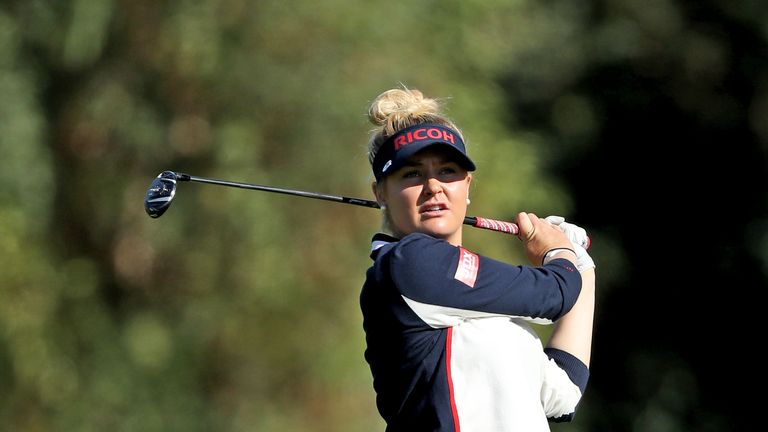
(501, 226)
(492, 224)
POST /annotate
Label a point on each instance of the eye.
(448, 170)
(411, 173)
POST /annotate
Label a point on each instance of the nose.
(432, 186)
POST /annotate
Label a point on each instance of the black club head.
(160, 194)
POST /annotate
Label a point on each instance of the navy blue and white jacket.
(449, 344)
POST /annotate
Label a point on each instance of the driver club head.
(160, 194)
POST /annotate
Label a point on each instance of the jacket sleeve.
(565, 380)
(445, 284)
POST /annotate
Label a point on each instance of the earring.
(383, 206)
(468, 201)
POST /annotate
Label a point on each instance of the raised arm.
(573, 332)
(570, 344)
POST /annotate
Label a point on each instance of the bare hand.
(539, 237)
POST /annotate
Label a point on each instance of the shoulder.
(419, 239)
(413, 254)
(413, 243)
(419, 246)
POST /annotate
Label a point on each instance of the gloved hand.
(578, 236)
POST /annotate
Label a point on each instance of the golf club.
(163, 189)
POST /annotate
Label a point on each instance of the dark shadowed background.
(642, 120)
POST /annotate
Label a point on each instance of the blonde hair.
(399, 108)
(395, 110)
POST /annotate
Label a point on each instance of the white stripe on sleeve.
(444, 316)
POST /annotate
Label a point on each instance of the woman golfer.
(448, 340)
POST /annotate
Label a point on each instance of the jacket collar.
(380, 240)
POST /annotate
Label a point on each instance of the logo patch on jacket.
(469, 264)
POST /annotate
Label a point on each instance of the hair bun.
(397, 107)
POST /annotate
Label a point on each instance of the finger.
(527, 230)
(543, 225)
(537, 223)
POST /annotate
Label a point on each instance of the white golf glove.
(578, 236)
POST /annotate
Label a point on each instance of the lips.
(432, 209)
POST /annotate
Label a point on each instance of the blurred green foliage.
(238, 310)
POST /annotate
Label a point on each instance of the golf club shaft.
(477, 222)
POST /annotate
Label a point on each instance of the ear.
(469, 182)
(377, 193)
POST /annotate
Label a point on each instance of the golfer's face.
(429, 195)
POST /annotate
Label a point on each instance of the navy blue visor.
(398, 148)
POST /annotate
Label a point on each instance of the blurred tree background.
(642, 120)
